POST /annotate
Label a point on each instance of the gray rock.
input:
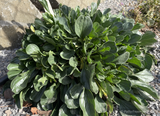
(15, 15)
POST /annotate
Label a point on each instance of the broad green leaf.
(17, 100)
(145, 95)
(83, 26)
(50, 95)
(111, 38)
(63, 21)
(20, 82)
(147, 39)
(22, 55)
(94, 7)
(64, 111)
(99, 66)
(47, 47)
(39, 23)
(87, 78)
(148, 61)
(97, 29)
(69, 101)
(125, 85)
(44, 62)
(101, 77)
(142, 106)
(67, 54)
(50, 73)
(27, 92)
(134, 39)
(125, 95)
(51, 59)
(14, 66)
(134, 98)
(119, 38)
(137, 26)
(122, 58)
(36, 96)
(73, 62)
(108, 58)
(144, 75)
(63, 90)
(45, 37)
(127, 108)
(32, 49)
(65, 9)
(145, 87)
(39, 82)
(107, 89)
(127, 26)
(100, 105)
(87, 103)
(125, 69)
(135, 62)
(108, 46)
(75, 111)
(55, 111)
(106, 11)
(13, 73)
(65, 80)
(76, 90)
(51, 92)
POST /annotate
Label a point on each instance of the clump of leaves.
(146, 12)
(81, 62)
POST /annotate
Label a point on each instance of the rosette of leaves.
(82, 62)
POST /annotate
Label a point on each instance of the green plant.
(146, 12)
(81, 62)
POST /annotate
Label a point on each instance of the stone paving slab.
(15, 15)
(74, 3)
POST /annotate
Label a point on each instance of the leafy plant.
(146, 12)
(81, 62)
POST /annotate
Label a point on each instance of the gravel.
(116, 5)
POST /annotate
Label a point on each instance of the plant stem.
(50, 8)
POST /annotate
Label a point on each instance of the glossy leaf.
(135, 61)
(127, 108)
(107, 89)
(100, 105)
(20, 82)
(148, 62)
(36, 96)
(125, 85)
(13, 73)
(63, 21)
(122, 58)
(87, 78)
(76, 90)
(69, 101)
(83, 26)
(73, 62)
(148, 39)
(145, 87)
(64, 111)
(87, 103)
(144, 75)
(67, 54)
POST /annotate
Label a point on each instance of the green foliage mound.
(81, 62)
